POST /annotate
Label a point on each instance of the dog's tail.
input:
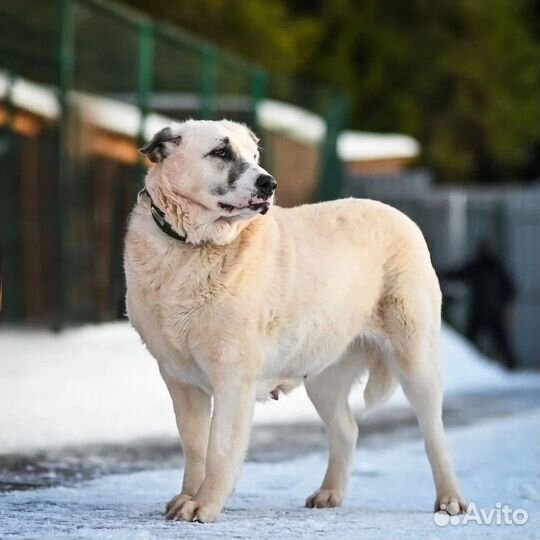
(380, 384)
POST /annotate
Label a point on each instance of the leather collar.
(159, 217)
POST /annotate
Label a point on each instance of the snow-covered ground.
(98, 384)
(391, 496)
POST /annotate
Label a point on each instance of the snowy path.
(390, 497)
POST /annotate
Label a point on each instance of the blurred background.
(430, 106)
(433, 107)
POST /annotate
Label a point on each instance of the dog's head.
(213, 165)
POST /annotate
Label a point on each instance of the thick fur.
(253, 305)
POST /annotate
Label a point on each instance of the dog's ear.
(239, 127)
(161, 145)
(252, 135)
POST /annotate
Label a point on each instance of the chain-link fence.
(82, 84)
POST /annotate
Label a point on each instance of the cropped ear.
(161, 145)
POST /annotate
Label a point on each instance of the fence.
(455, 220)
(81, 83)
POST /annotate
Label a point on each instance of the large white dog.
(240, 300)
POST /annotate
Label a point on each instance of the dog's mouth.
(260, 207)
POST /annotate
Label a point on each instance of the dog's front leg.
(192, 408)
(234, 400)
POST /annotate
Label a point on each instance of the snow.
(304, 126)
(92, 384)
(36, 98)
(124, 118)
(390, 496)
(99, 384)
(362, 146)
(291, 120)
(117, 116)
(109, 114)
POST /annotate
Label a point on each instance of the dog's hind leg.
(329, 392)
(416, 364)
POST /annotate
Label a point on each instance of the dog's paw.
(175, 504)
(451, 504)
(325, 498)
(192, 510)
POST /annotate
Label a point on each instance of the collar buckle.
(156, 215)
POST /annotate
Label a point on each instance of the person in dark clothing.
(492, 294)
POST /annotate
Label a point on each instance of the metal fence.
(61, 245)
(455, 220)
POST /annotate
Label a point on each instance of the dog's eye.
(222, 153)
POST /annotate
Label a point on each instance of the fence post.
(259, 80)
(63, 286)
(330, 168)
(208, 82)
(11, 283)
(145, 72)
(145, 84)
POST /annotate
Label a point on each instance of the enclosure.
(82, 84)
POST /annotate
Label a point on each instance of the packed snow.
(98, 384)
(391, 496)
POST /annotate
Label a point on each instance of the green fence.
(54, 224)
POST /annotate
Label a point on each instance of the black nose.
(266, 185)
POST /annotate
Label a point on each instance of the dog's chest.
(163, 313)
(166, 339)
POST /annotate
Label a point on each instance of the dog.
(240, 300)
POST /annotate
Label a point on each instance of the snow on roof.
(118, 116)
(290, 120)
(110, 114)
(361, 146)
(276, 116)
(303, 125)
(37, 98)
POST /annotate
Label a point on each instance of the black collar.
(159, 218)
